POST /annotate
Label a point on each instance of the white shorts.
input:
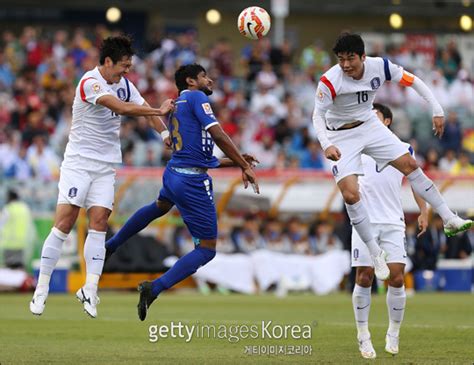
(86, 183)
(371, 138)
(391, 239)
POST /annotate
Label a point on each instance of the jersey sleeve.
(325, 95)
(135, 96)
(202, 110)
(91, 90)
(392, 71)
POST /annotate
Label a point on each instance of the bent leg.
(422, 185)
(138, 221)
(357, 213)
(186, 266)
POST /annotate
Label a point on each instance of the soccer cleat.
(391, 344)
(90, 301)
(456, 225)
(146, 298)
(38, 302)
(380, 266)
(366, 348)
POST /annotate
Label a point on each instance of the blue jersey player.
(186, 184)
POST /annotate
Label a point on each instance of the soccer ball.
(254, 22)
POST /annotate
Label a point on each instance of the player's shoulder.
(195, 94)
(332, 77)
(334, 73)
(90, 75)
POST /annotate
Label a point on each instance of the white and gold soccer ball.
(254, 22)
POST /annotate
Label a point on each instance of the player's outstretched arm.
(227, 162)
(330, 151)
(133, 110)
(420, 87)
(228, 147)
(158, 124)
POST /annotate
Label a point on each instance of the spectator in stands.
(322, 237)
(297, 233)
(447, 65)
(43, 161)
(462, 91)
(273, 238)
(19, 168)
(6, 75)
(431, 161)
(457, 247)
(452, 137)
(312, 157)
(315, 60)
(247, 238)
(447, 162)
(428, 246)
(463, 165)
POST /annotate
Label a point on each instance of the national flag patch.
(207, 108)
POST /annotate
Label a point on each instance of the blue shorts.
(194, 198)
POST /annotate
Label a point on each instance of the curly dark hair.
(350, 43)
(186, 71)
(116, 48)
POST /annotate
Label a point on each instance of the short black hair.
(350, 43)
(12, 195)
(385, 110)
(116, 48)
(186, 71)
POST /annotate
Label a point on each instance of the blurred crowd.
(263, 98)
(295, 235)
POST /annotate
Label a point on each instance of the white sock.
(396, 300)
(361, 299)
(94, 254)
(360, 221)
(425, 188)
(92, 282)
(49, 256)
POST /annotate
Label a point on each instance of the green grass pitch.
(438, 329)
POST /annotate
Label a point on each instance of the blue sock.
(184, 267)
(139, 220)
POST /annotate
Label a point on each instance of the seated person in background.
(247, 238)
(273, 238)
(323, 239)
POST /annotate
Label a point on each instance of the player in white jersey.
(346, 127)
(87, 175)
(380, 191)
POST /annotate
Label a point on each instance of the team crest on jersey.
(320, 95)
(207, 108)
(121, 94)
(96, 87)
(72, 192)
(335, 171)
(375, 83)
